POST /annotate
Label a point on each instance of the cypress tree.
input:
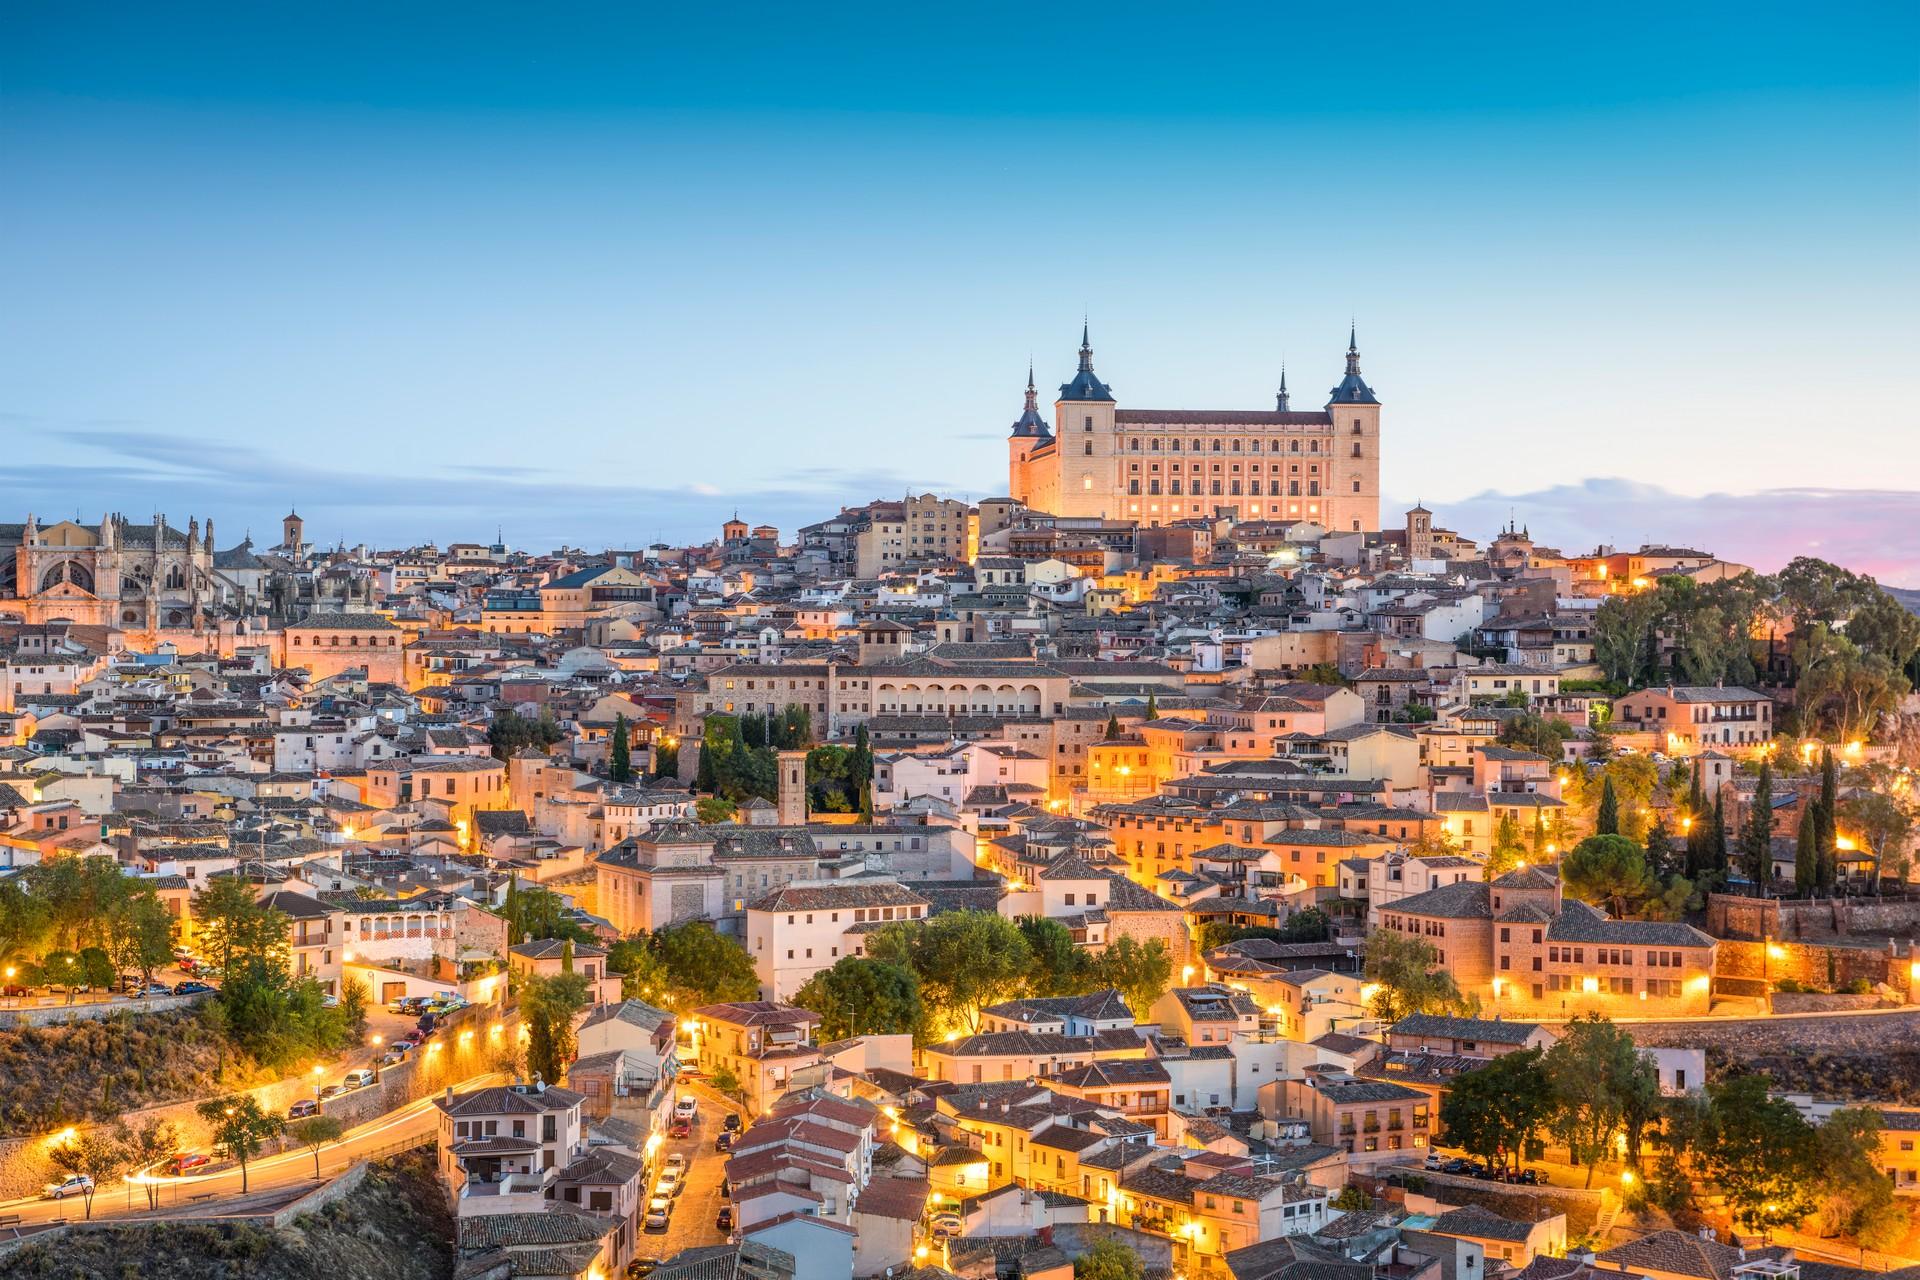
(1606, 821)
(1756, 838)
(1717, 839)
(1113, 725)
(1698, 830)
(1153, 706)
(1806, 851)
(860, 766)
(1825, 832)
(620, 767)
(510, 908)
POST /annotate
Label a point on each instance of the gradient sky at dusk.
(604, 273)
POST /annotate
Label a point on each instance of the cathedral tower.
(1083, 434)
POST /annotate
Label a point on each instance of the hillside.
(394, 1226)
(97, 1070)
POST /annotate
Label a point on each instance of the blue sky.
(604, 273)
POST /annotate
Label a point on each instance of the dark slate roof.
(1578, 922)
(1488, 1030)
(1462, 900)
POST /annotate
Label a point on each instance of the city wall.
(1733, 916)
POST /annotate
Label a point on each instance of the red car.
(186, 1162)
(682, 1129)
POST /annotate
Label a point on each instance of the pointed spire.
(1281, 401)
(1353, 388)
(1085, 386)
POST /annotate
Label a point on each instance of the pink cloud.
(1874, 531)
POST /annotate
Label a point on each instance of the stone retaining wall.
(56, 1013)
(1734, 916)
(25, 1168)
(1826, 965)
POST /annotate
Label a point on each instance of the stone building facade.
(1155, 466)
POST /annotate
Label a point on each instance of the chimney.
(448, 1096)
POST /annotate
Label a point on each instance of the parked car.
(676, 1161)
(732, 1122)
(726, 1189)
(406, 1044)
(1532, 1178)
(332, 1091)
(73, 1186)
(391, 1058)
(659, 1209)
(723, 1221)
(723, 1141)
(302, 1109)
(682, 1128)
(642, 1267)
(191, 988)
(945, 1224)
(670, 1183)
(1436, 1161)
(186, 1162)
(359, 1078)
(686, 1107)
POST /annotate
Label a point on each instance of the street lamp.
(377, 1040)
(316, 1081)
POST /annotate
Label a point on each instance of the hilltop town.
(1166, 868)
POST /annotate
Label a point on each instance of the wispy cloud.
(1874, 531)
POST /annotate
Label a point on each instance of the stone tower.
(793, 788)
(1419, 533)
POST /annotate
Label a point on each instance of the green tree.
(714, 809)
(1610, 872)
(1623, 638)
(1756, 836)
(1495, 1111)
(145, 1146)
(96, 1157)
(231, 923)
(620, 759)
(698, 966)
(1542, 735)
(140, 936)
(860, 766)
(966, 960)
(1153, 706)
(666, 758)
(1408, 979)
(316, 1133)
(1113, 726)
(1806, 851)
(1108, 1259)
(1854, 1194)
(1139, 971)
(1880, 824)
(1509, 848)
(547, 1009)
(1826, 830)
(1352, 1199)
(1606, 820)
(239, 1128)
(1061, 966)
(1884, 626)
(1759, 1152)
(860, 996)
(1593, 1068)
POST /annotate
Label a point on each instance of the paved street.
(697, 1206)
(290, 1169)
